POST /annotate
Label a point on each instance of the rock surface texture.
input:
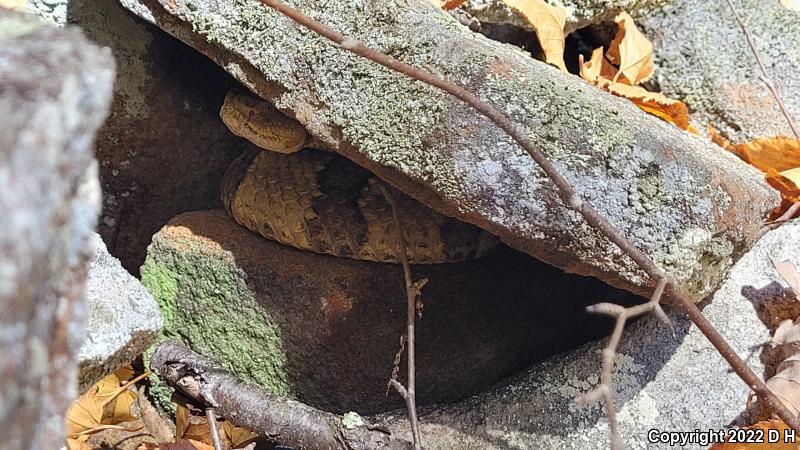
(579, 13)
(326, 330)
(123, 317)
(163, 149)
(55, 88)
(663, 380)
(702, 58)
(691, 207)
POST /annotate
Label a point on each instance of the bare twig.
(785, 217)
(412, 293)
(764, 77)
(565, 191)
(211, 417)
(604, 390)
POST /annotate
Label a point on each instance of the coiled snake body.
(322, 202)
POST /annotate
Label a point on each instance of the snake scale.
(322, 202)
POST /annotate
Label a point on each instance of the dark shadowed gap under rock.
(325, 330)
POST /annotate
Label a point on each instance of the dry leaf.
(766, 425)
(786, 182)
(717, 138)
(182, 444)
(596, 68)
(788, 272)
(448, 4)
(14, 4)
(195, 428)
(635, 54)
(548, 23)
(779, 153)
(631, 51)
(76, 444)
(659, 105)
(793, 5)
(239, 436)
(125, 373)
(104, 405)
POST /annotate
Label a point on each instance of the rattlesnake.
(320, 201)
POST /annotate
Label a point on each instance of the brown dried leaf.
(125, 373)
(548, 23)
(773, 424)
(77, 444)
(786, 182)
(631, 51)
(718, 138)
(779, 153)
(182, 444)
(655, 103)
(448, 4)
(788, 272)
(239, 436)
(786, 383)
(105, 404)
(597, 67)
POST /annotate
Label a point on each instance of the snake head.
(262, 124)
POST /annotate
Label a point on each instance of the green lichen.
(162, 283)
(352, 420)
(207, 304)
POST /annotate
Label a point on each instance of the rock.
(53, 11)
(579, 13)
(163, 149)
(55, 88)
(692, 207)
(713, 70)
(664, 380)
(325, 330)
(123, 317)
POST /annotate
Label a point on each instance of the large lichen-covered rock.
(665, 379)
(55, 88)
(690, 206)
(703, 58)
(163, 149)
(326, 330)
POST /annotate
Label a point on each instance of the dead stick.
(211, 417)
(565, 192)
(409, 392)
(604, 389)
(764, 76)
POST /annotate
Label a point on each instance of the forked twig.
(412, 294)
(565, 192)
(764, 77)
(604, 390)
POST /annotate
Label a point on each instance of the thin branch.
(604, 390)
(787, 216)
(211, 417)
(764, 76)
(412, 293)
(565, 192)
